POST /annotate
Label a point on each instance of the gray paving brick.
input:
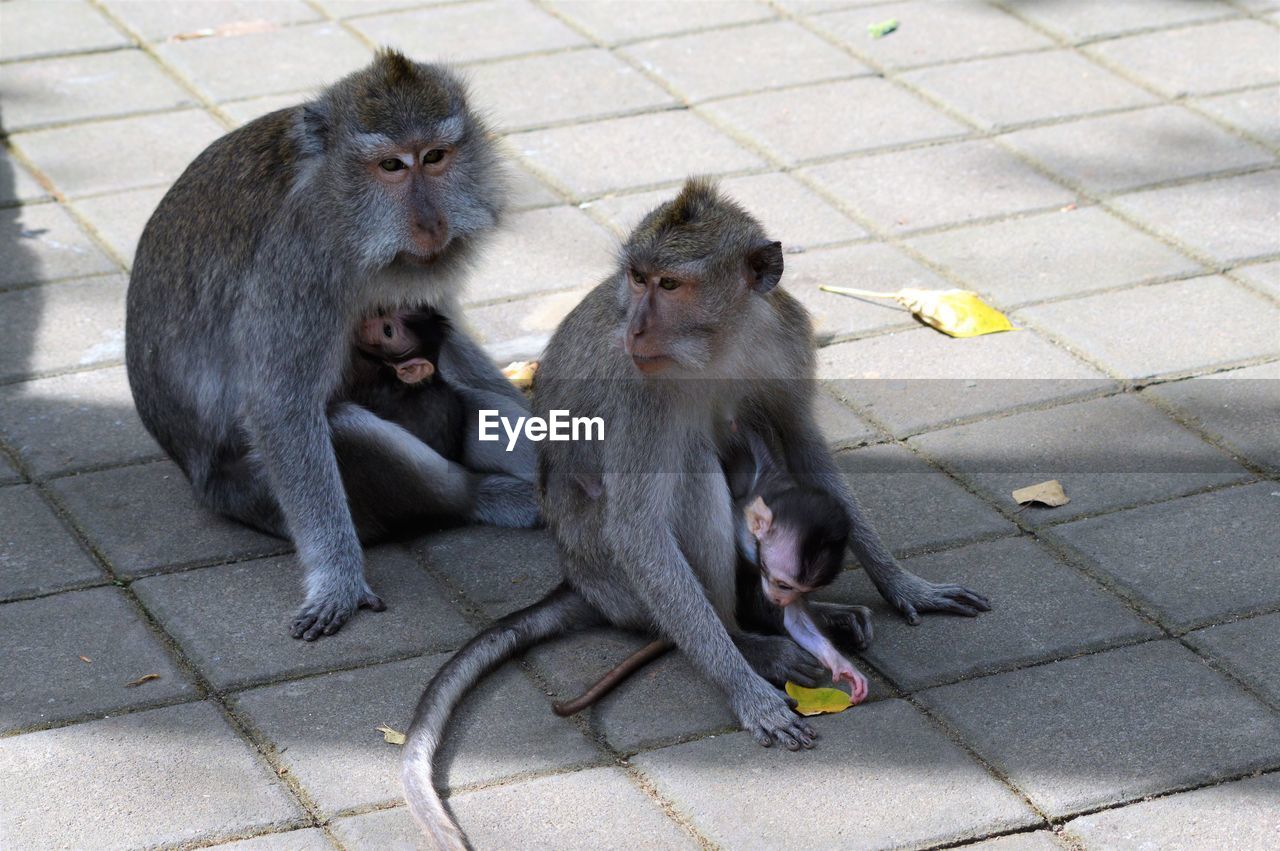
(244, 111)
(1108, 453)
(591, 159)
(1199, 60)
(902, 760)
(156, 21)
(743, 59)
(1256, 112)
(499, 570)
(8, 473)
(1236, 218)
(1051, 255)
(37, 553)
(1172, 334)
(944, 184)
(562, 812)
(45, 679)
(1100, 154)
(74, 421)
(521, 259)
(1029, 590)
(1192, 560)
(146, 517)
(527, 191)
(233, 620)
(572, 86)
(1239, 815)
(1040, 840)
(518, 330)
(1264, 276)
(928, 32)
(125, 153)
(119, 219)
(307, 839)
(169, 775)
(1250, 649)
(1239, 408)
(302, 57)
(839, 425)
(76, 26)
(1129, 738)
(1011, 90)
(918, 379)
(828, 119)
(80, 324)
(470, 32)
(94, 85)
(17, 184)
(911, 504)
(323, 729)
(1082, 20)
(615, 22)
(47, 244)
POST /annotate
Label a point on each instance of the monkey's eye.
(433, 156)
(387, 330)
(669, 284)
(391, 164)
(782, 586)
(637, 276)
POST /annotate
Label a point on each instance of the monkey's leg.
(239, 488)
(848, 624)
(492, 455)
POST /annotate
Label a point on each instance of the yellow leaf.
(959, 313)
(520, 372)
(818, 701)
(391, 737)
(1048, 493)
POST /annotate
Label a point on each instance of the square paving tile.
(591, 159)
(156, 21)
(1127, 739)
(77, 26)
(836, 118)
(572, 86)
(1235, 218)
(302, 57)
(944, 184)
(244, 111)
(134, 779)
(918, 379)
(125, 153)
(8, 473)
(74, 421)
(1029, 591)
(37, 552)
(839, 425)
(146, 517)
(233, 620)
(91, 85)
(1011, 90)
(499, 570)
(306, 839)
(1173, 334)
(1264, 276)
(1193, 560)
(743, 59)
(912, 505)
(47, 681)
(48, 244)
(1040, 840)
(1051, 255)
(929, 32)
(902, 758)
(1113, 153)
(521, 259)
(470, 32)
(1250, 649)
(1256, 112)
(1199, 60)
(17, 184)
(120, 218)
(615, 22)
(1239, 408)
(520, 329)
(1108, 453)
(1081, 20)
(62, 326)
(324, 730)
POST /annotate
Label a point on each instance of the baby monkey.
(791, 542)
(409, 342)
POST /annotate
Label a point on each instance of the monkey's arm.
(464, 363)
(802, 626)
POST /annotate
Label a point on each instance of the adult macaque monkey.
(689, 333)
(250, 282)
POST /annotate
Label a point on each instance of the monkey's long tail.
(560, 611)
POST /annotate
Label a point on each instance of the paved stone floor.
(1105, 171)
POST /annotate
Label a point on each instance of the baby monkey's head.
(800, 536)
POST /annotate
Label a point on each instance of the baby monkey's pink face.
(779, 555)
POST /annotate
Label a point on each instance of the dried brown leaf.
(1048, 493)
(145, 678)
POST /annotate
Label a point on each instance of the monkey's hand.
(849, 625)
(779, 659)
(328, 608)
(911, 595)
(844, 672)
(766, 714)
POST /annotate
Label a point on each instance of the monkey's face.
(412, 179)
(663, 319)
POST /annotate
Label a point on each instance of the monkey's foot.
(769, 718)
(779, 659)
(912, 595)
(325, 614)
(849, 625)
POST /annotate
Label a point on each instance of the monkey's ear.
(759, 518)
(315, 128)
(765, 266)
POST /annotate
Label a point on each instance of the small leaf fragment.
(883, 28)
(521, 372)
(1048, 493)
(957, 313)
(145, 678)
(85, 659)
(390, 736)
(818, 701)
